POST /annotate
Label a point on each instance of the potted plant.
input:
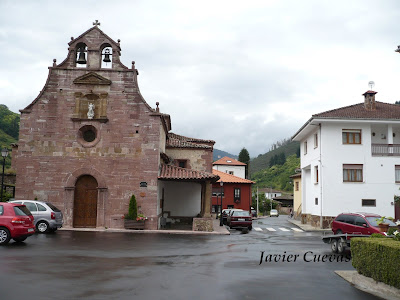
(133, 220)
(383, 227)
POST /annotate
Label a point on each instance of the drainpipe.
(320, 175)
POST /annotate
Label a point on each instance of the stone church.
(90, 141)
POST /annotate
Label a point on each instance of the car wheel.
(53, 230)
(339, 231)
(341, 247)
(250, 227)
(5, 236)
(42, 226)
(19, 240)
(334, 246)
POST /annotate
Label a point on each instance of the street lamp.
(216, 209)
(4, 154)
(221, 222)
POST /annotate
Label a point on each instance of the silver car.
(48, 218)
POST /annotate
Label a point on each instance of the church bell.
(81, 59)
(107, 56)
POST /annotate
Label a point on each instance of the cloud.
(244, 74)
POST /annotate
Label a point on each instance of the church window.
(88, 136)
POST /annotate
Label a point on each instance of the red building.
(236, 192)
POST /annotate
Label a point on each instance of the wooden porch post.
(207, 200)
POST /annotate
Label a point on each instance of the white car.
(273, 213)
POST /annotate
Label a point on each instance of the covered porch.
(185, 198)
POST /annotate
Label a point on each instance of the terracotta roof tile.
(180, 141)
(227, 178)
(228, 161)
(169, 172)
(358, 111)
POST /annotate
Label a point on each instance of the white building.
(350, 161)
(230, 166)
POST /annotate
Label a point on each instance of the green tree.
(244, 157)
(132, 211)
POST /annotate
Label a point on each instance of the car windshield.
(22, 211)
(374, 221)
(241, 213)
(53, 207)
(274, 211)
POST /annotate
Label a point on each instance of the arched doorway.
(85, 202)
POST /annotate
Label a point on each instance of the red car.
(357, 223)
(239, 219)
(16, 222)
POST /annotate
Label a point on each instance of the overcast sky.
(242, 73)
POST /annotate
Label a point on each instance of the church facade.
(90, 141)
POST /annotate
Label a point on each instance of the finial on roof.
(72, 38)
(133, 65)
(371, 85)
(96, 23)
(157, 109)
(54, 62)
(398, 49)
(119, 41)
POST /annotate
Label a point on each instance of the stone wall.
(315, 221)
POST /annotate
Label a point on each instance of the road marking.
(297, 229)
(270, 229)
(284, 229)
(257, 228)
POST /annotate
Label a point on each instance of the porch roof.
(169, 172)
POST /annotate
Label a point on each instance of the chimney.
(369, 101)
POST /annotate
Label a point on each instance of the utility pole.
(257, 201)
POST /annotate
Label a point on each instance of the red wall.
(245, 199)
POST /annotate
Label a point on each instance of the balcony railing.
(385, 149)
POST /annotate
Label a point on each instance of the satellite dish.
(371, 85)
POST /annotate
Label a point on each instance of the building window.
(296, 185)
(316, 140)
(305, 147)
(351, 136)
(216, 192)
(368, 202)
(236, 195)
(316, 201)
(230, 173)
(352, 173)
(182, 163)
(316, 174)
(397, 173)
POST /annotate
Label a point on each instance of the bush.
(377, 258)
(391, 231)
(132, 211)
(377, 235)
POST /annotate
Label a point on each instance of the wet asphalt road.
(103, 265)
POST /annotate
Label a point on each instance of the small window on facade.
(316, 140)
(216, 192)
(182, 163)
(316, 174)
(236, 194)
(297, 185)
(231, 172)
(352, 173)
(305, 147)
(397, 173)
(368, 202)
(351, 136)
(316, 201)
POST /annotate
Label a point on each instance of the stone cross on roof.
(97, 23)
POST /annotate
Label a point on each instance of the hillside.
(278, 176)
(262, 161)
(9, 129)
(217, 154)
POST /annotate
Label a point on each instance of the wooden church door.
(85, 202)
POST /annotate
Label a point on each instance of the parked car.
(357, 223)
(274, 213)
(226, 212)
(240, 219)
(48, 218)
(16, 222)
